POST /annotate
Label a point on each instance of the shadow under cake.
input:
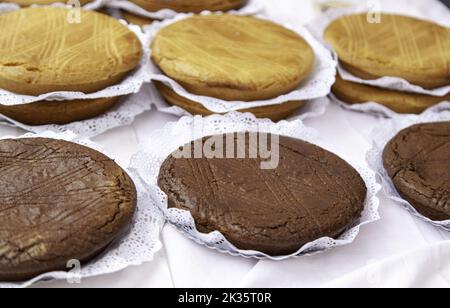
(233, 58)
(190, 6)
(273, 112)
(401, 102)
(311, 194)
(88, 56)
(418, 161)
(60, 201)
(399, 46)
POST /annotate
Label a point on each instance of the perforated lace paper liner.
(130, 85)
(122, 114)
(162, 143)
(135, 247)
(317, 85)
(312, 109)
(8, 7)
(379, 110)
(134, 90)
(381, 136)
(253, 7)
(319, 25)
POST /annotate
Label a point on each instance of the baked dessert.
(273, 112)
(234, 58)
(60, 201)
(58, 112)
(190, 6)
(136, 19)
(311, 194)
(85, 57)
(418, 161)
(399, 46)
(401, 102)
(25, 3)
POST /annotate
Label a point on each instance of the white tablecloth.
(397, 251)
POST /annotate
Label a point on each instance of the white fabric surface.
(397, 251)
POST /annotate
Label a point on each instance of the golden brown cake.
(58, 112)
(233, 57)
(136, 19)
(401, 102)
(399, 46)
(41, 51)
(273, 112)
(25, 3)
(194, 6)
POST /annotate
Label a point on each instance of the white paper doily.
(380, 137)
(8, 7)
(312, 109)
(393, 83)
(317, 85)
(253, 7)
(131, 84)
(95, 5)
(135, 247)
(161, 143)
(319, 25)
(379, 110)
(124, 113)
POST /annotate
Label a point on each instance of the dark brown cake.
(418, 161)
(311, 194)
(58, 201)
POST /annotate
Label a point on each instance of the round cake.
(273, 112)
(399, 46)
(58, 112)
(25, 3)
(59, 201)
(190, 6)
(418, 161)
(311, 194)
(234, 58)
(42, 52)
(401, 102)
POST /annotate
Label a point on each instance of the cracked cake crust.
(418, 160)
(312, 194)
(58, 201)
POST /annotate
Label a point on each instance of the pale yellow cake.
(233, 57)
(400, 46)
(43, 50)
